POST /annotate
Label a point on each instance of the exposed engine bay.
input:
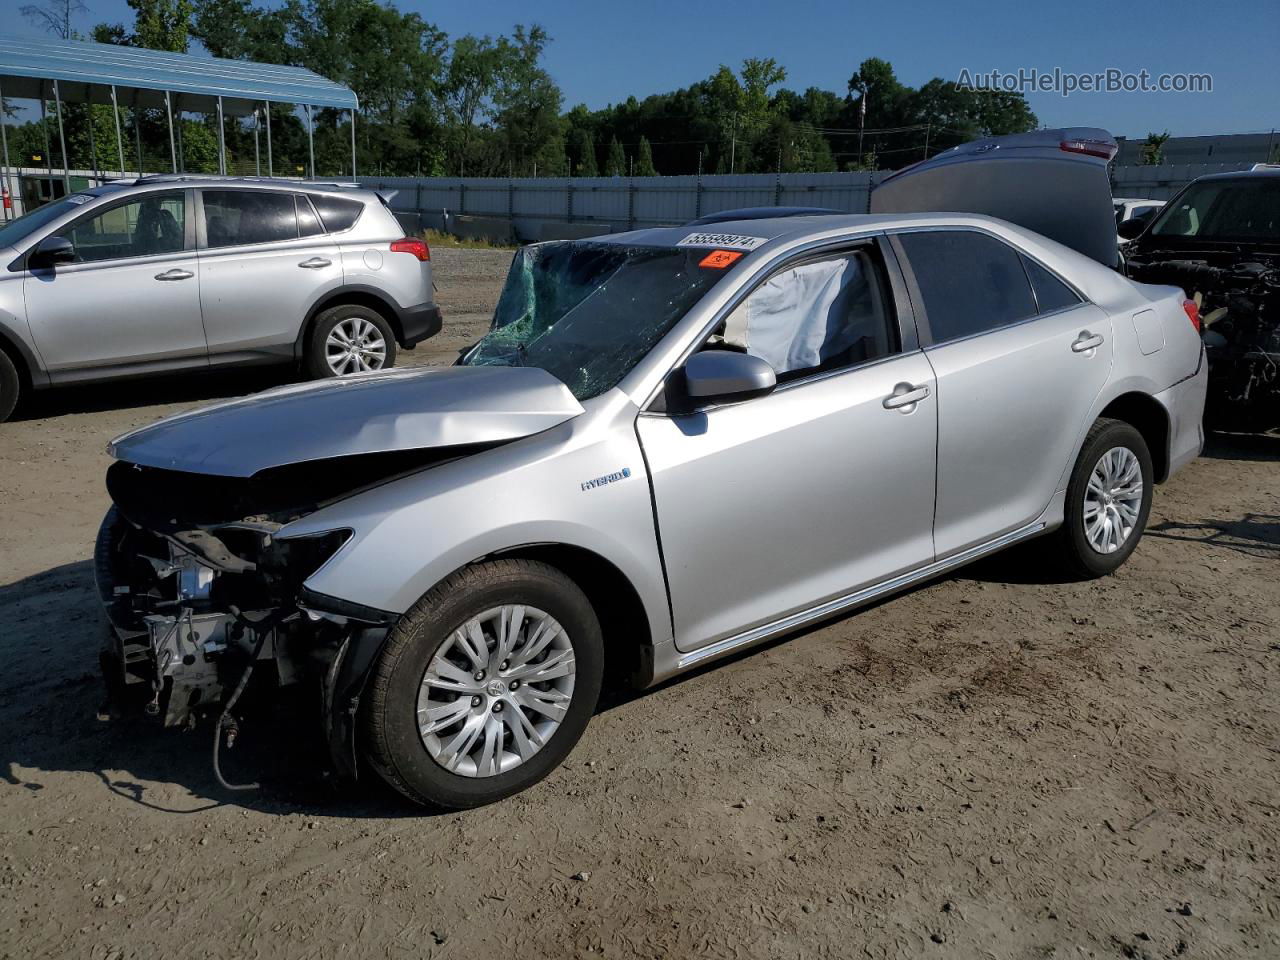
(1238, 295)
(201, 594)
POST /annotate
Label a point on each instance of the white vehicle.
(1131, 208)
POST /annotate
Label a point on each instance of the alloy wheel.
(355, 345)
(496, 691)
(1113, 500)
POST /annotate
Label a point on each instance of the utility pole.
(862, 119)
(927, 127)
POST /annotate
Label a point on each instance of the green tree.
(644, 159)
(528, 100)
(162, 24)
(615, 164)
(582, 147)
(1153, 149)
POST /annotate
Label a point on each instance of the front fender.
(582, 484)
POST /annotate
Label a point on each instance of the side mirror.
(51, 250)
(727, 375)
(1129, 229)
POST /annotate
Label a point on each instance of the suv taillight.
(412, 245)
(1193, 313)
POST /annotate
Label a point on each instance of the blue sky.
(603, 52)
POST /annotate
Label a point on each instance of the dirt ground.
(995, 765)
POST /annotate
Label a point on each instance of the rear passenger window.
(235, 217)
(338, 213)
(1051, 293)
(308, 223)
(970, 282)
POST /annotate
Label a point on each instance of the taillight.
(1093, 148)
(412, 245)
(1193, 313)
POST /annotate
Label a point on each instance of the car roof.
(209, 180)
(773, 228)
(1271, 172)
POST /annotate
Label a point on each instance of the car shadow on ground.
(1257, 534)
(193, 387)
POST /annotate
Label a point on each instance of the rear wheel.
(1108, 500)
(347, 339)
(485, 685)
(10, 385)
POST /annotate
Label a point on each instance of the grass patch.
(435, 238)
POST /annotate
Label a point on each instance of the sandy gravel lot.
(995, 765)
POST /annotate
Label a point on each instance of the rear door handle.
(1086, 341)
(175, 274)
(905, 395)
(315, 263)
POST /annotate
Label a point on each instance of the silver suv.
(177, 273)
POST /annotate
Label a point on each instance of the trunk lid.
(1054, 182)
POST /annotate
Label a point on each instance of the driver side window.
(813, 317)
(150, 225)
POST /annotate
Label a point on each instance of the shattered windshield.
(1225, 210)
(588, 312)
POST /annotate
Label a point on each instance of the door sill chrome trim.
(867, 594)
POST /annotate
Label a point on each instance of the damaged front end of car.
(202, 593)
(204, 585)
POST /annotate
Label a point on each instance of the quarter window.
(970, 282)
(236, 217)
(813, 317)
(1051, 293)
(337, 213)
(153, 224)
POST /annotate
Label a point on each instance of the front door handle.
(315, 263)
(1086, 341)
(175, 274)
(905, 396)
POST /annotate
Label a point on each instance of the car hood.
(398, 410)
(1054, 182)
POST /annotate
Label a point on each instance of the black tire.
(10, 386)
(1073, 550)
(392, 743)
(315, 363)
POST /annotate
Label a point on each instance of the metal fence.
(534, 209)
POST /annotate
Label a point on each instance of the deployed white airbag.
(801, 317)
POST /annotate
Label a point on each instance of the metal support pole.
(62, 140)
(44, 126)
(4, 171)
(177, 113)
(270, 168)
(311, 142)
(137, 134)
(222, 143)
(257, 161)
(115, 115)
(173, 145)
(353, 143)
(93, 140)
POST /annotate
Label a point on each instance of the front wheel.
(350, 339)
(1108, 500)
(485, 685)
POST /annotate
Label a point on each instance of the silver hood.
(398, 410)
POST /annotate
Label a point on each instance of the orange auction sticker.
(719, 259)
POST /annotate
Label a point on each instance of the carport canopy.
(82, 72)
